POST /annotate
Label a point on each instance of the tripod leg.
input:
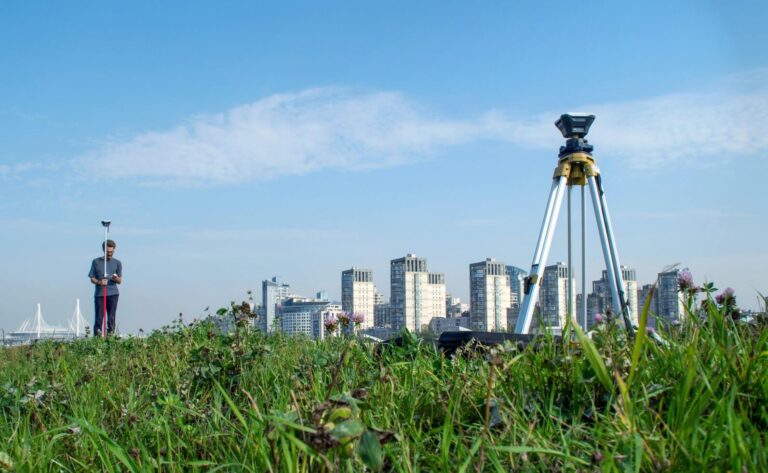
(607, 256)
(623, 301)
(533, 282)
(547, 219)
(609, 253)
(583, 260)
(571, 313)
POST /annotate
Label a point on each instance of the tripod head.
(574, 125)
(574, 128)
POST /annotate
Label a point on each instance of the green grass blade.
(640, 336)
(594, 358)
(540, 451)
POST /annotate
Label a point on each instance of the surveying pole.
(575, 167)
(105, 224)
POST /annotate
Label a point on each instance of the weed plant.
(189, 399)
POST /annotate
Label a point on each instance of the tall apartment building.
(436, 287)
(489, 295)
(273, 293)
(381, 311)
(553, 296)
(642, 295)
(580, 312)
(358, 294)
(378, 298)
(382, 315)
(516, 287)
(416, 294)
(670, 302)
(516, 284)
(453, 306)
(600, 299)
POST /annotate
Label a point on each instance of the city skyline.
(494, 291)
(300, 140)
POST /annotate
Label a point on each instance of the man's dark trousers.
(111, 311)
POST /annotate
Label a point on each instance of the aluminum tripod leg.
(623, 302)
(598, 207)
(583, 260)
(570, 310)
(540, 255)
(609, 253)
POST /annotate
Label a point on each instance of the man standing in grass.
(99, 279)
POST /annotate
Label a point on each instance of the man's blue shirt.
(114, 266)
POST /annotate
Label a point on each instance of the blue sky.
(230, 142)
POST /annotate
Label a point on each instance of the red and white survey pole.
(105, 224)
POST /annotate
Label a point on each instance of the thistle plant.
(357, 318)
(331, 323)
(688, 288)
(685, 282)
(727, 301)
(349, 321)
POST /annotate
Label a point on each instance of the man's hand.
(116, 278)
(104, 282)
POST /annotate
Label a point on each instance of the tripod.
(575, 167)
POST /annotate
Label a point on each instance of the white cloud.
(285, 134)
(18, 169)
(687, 128)
(332, 128)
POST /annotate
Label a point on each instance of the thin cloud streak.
(19, 170)
(336, 128)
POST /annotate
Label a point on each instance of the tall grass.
(188, 399)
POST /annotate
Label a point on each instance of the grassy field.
(187, 399)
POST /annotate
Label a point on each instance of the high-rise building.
(642, 295)
(580, 312)
(382, 315)
(489, 296)
(381, 311)
(273, 293)
(416, 294)
(553, 296)
(516, 294)
(516, 284)
(358, 294)
(513, 313)
(436, 294)
(600, 299)
(378, 298)
(629, 275)
(597, 303)
(453, 306)
(670, 302)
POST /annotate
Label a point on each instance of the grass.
(187, 399)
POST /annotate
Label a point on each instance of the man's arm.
(92, 277)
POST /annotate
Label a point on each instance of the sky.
(232, 142)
